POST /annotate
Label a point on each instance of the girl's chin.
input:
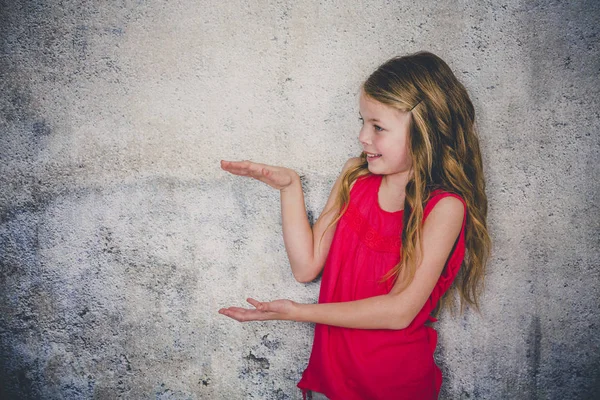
(373, 169)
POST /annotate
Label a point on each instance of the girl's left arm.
(395, 310)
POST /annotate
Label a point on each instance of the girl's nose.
(364, 138)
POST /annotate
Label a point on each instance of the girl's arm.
(395, 310)
(306, 251)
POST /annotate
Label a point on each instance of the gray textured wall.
(120, 237)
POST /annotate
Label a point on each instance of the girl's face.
(384, 137)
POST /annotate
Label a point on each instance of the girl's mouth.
(371, 156)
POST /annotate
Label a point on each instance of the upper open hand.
(276, 177)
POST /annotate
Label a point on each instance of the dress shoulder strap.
(436, 196)
(458, 252)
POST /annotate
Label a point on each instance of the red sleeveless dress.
(365, 364)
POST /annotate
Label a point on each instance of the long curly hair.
(445, 152)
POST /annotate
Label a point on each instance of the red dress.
(374, 364)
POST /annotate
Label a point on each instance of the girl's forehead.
(368, 105)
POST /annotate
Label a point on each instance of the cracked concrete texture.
(120, 237)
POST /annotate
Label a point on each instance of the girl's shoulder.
(452, 202)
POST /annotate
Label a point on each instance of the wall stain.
(273, 345)
(255, 365)
(533, 355)
(41, 128)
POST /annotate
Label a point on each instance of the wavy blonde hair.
(445, 152)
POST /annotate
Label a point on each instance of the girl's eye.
(362, 121)
(378, 128)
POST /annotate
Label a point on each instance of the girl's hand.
(276, 177)
(272, 310)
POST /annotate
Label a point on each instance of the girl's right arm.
(306, 251)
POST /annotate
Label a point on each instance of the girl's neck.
(392, 192)
(395, 183)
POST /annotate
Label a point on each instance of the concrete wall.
(120, 237)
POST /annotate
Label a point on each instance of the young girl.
(404, 228)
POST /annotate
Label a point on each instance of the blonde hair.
(445, 152)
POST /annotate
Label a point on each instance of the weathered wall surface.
(120, 237)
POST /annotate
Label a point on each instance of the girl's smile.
(371, 157)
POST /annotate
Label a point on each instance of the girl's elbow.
(397, 324)
(306, 274)
(303, 278)
(400, 321)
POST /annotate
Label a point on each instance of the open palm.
(262, 311)
(276, 177)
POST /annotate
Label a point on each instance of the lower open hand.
(262, 311)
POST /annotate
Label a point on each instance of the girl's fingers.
(272, 176)
(243, 168)
(233, 309)
(257, 304)
(241, 314)
(261, 312)
(236, 167)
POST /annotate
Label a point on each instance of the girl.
(404, 228)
